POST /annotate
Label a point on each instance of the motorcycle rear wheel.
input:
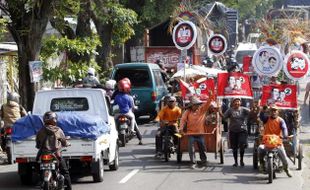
(46, 186)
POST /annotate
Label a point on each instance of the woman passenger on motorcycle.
(193, 122)
(274, 124)
(167, 116)
(238, 136)
(126, 104)
(52, 138)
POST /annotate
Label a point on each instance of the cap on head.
(235, 99)
(110, 84)
(171, 99)
(91, 71)
(273, 107)
(195, 101)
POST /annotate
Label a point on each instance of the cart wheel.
(179, 153)
(255, 156)
(222, 152)
(300, 156)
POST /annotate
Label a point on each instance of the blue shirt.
(124, 101)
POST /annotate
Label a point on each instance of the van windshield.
(241, 54)
(137, 77)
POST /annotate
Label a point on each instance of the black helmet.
(50, 118)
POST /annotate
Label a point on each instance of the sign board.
(184, 35)
(296, 65)
(36, 71)
(267, 61)
(217, 44)
(169, 55)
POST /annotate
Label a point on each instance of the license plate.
(123, 126)
(47, 166)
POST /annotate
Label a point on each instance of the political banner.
(283, 96)
(200, 88)
(231, 85)
(296, 65)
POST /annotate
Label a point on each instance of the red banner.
(230, 85)
(284, 96)
(199, 88)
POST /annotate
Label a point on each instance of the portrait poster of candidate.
(267, 61)
(284, 96)
(230, 85)
(296, 65)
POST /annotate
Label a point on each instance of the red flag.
(185, 88)
(203, 86)
(283, 96)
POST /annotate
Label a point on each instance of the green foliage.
(3, 30)
(67, 72)
(54, 45)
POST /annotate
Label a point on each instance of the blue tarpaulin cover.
(74, 125)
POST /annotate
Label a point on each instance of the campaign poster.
(231, 85)
(283, 96)
(36, 71)
(296, 65)
(267, 61)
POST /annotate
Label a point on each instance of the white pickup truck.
(84, 155)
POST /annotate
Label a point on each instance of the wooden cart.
(213, 140)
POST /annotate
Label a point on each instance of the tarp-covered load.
(73, 124)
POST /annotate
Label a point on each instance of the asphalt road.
(139, 169)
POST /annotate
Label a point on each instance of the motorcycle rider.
(126, 105)
(10, 112)
(274, 124)
(167, 116)
(91, 80)
(52, 138)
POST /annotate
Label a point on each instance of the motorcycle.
(124, 133)
(52, 179)
(7, 142)
(168, 144)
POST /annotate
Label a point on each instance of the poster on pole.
(267, 61)
(296, 65)
(184, 35)
(217, 44)
(36, 71)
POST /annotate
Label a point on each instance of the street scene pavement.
(139, 169)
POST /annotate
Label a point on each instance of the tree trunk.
(27, 28)
(104, 58)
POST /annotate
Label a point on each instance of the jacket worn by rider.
(12, 111)
(124, 101)
(274, 126)
(50, 138)
(170, 115)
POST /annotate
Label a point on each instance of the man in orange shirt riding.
(276, 125)
(168, 116)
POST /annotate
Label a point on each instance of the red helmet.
(124, 85)
(127, 80)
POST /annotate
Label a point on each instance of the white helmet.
(110, 84)
(91, 71)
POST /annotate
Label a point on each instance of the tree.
(114, 24)
(27, 24)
